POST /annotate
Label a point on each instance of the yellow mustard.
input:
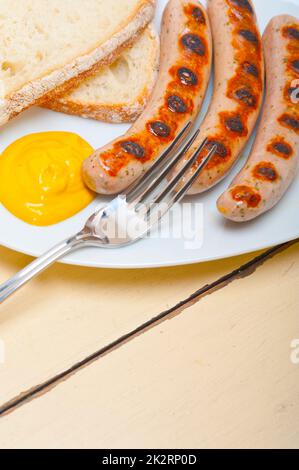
(40, 177)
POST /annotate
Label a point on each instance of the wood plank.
(217, 375)
(70, 312)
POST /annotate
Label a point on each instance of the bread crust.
(62, 80)
(112, 113)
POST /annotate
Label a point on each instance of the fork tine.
(174, 182)
(181, 193)
(138, 187)
(171, 164)
(155, 216)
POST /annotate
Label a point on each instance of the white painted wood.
(71, 312)
(217, 375)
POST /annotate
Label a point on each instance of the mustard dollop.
(40, 177)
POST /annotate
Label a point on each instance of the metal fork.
(94, 233)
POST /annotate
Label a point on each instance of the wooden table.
(188, 357)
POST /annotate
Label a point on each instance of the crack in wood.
(240, 273)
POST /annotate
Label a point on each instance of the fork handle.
(39, 265)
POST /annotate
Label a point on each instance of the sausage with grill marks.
(238, 90)
(274, 160)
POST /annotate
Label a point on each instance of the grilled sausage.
(186, 57)
(238, 90)
(272, 165)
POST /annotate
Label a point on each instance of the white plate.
(221, 239)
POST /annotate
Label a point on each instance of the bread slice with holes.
(49, 46)
(120, 92)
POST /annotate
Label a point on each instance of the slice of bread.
(51, 45)
(117, 93)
